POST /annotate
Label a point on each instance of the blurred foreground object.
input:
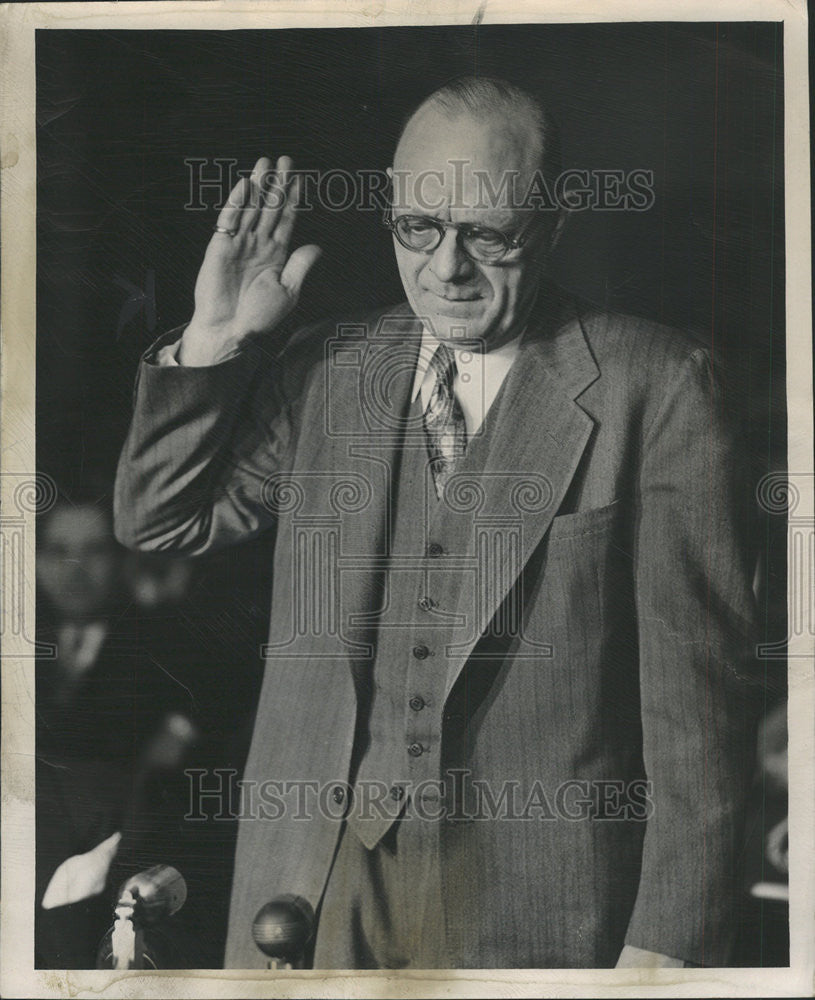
(81, 876)
(282, 929)
(144, 901)
(157, 581)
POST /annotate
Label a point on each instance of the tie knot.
(443, 364)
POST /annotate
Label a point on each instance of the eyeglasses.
(423, 234)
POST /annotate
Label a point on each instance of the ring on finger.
(225, 231)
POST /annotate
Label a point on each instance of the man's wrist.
(201, 347)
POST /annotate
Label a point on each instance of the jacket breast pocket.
(586, 603)
(586, 522)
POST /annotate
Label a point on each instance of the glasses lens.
(485, 244)
(417, 233)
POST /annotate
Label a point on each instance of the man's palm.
(248, 282)
(240, 289)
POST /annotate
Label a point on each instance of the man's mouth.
(457, 298)
(454, 299)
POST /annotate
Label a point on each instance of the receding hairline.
(482, 98)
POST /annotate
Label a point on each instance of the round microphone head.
(159, 892)
(283, 927)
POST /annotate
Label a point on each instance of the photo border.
(21, 492)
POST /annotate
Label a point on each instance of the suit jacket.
(633, 574)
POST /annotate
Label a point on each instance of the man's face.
(77, 561)
(450, 168)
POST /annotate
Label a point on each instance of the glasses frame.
(510, 242)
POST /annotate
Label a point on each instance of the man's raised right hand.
(249, 282)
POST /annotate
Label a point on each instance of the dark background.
(701, 105)
(119, 112)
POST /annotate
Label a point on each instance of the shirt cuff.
(167, 356)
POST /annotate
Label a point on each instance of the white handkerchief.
(81, 876)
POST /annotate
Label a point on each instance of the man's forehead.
(482, 164)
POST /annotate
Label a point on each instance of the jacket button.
(338, 794)
(415, 749)
(421, 651)
(397, 793)
(434, 550)
(426, 603)
(417, 703)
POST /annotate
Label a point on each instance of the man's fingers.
(275, 196)
(285, 223)
(282, 174)
(230, 214)
(257, 202)
(298, 266)
(254, 202)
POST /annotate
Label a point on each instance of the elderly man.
(508, 667)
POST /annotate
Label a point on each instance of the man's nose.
(449, 261)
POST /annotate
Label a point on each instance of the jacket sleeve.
(698, 679)
(201, 445)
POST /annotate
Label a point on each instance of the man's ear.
(549, 239)
(392, 194)
(557, 230)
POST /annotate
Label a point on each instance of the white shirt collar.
(478, 379)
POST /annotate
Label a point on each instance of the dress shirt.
(479, 377)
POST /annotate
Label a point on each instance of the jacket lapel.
(369, 373)
(521, 469)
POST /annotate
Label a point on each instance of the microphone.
(158, 892)
(144, 901)
(282, 929)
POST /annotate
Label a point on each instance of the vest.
(399, 751)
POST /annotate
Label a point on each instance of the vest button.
(421, 651)
(415, 749)
(338, 794)
(426, 603)
(417, 703)
(397, 793)
(434, 550)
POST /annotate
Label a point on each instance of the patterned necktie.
(443, 420)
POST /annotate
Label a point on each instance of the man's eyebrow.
(415, 213)
(508, 227)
